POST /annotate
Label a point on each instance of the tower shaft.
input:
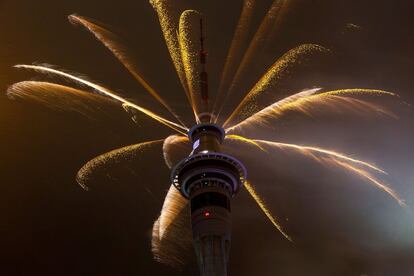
(212, 255)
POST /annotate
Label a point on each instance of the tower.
(209, 179)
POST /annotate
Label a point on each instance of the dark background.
(50, 226)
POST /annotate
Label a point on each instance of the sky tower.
(209, 179)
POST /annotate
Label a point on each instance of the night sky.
(50, 226)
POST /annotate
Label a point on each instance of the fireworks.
(189, 54)
(171, 236)
(169, 29)
(111, 94)
(277, 70)
(171, 233)
(260, 202)
(175, 141)
(327, 156)
(114, 156)
(60, 97)
(235, 50)
(111, 41)
(309, 102)
(266, 30)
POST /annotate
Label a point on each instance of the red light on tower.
(206, 213)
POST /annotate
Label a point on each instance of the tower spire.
(205, 116)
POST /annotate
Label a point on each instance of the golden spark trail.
(311, 150)
(114, 156)
(358, 91)
(371, 178)
(260, 202)
(334, 156)
(169, 29)
(270, 110)
(234, 52)
(268, 24)
(303, 101)
(245, 140)
(275, 73)
(108, 93)
(59, 97)
(179, 128)
(111, 42)
(333, 101)
(190, 58)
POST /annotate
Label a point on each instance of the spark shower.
(239, 122)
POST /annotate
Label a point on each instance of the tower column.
(212, 255)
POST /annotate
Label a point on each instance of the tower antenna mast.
(205, 116)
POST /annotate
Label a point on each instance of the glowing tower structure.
(209, 179)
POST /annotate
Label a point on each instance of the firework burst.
(179, 37)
